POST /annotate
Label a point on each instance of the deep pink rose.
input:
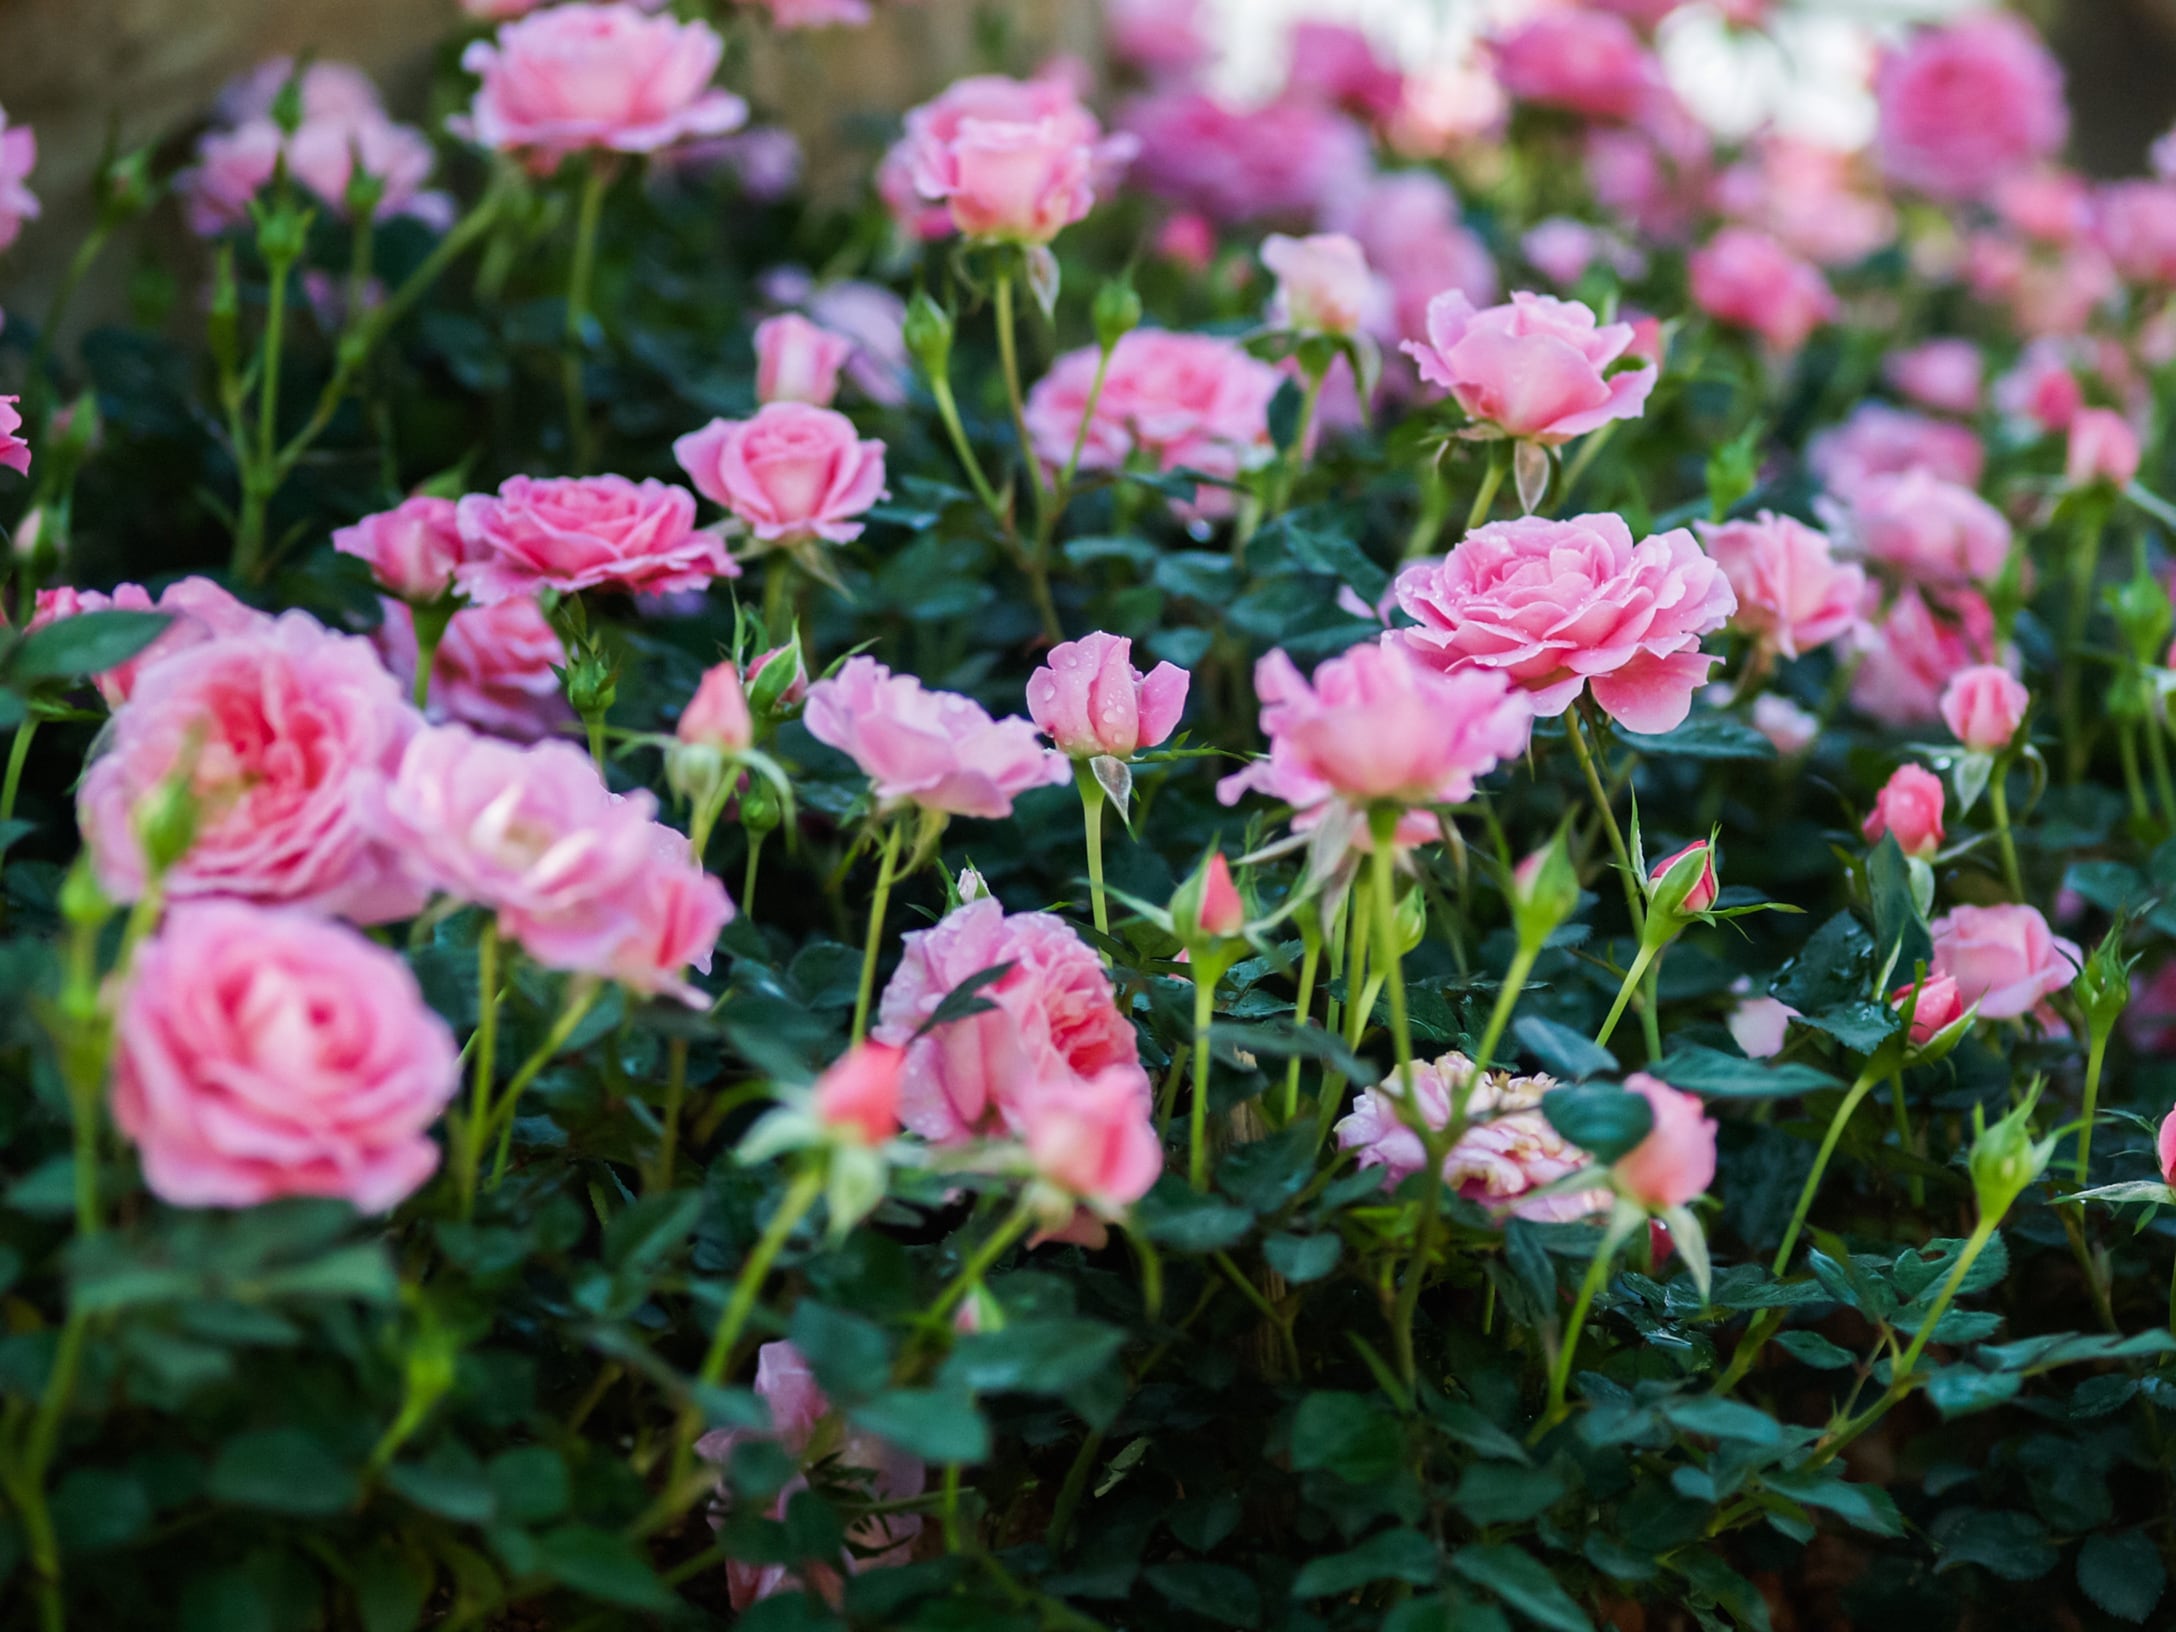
(1705, 887)
(1053, 1019)
(200, 610)
(933, 749)
(1089, 699)
(18, 156)
(1931, 530)
(793, 472)
(2042, 388)
(1748, 279)
(1675, 1163)
(1983, 706)
(1937, 1006)
(1914, 649)
(411, 549)
(1561, 606)
(1945, 375)
(580, 77)
(1094, 1135)
(796, 361)
(293, 733)
(1963, 106)
(14, 451)
(1537, 369)
(263, 1053)
(859, 1094)
(2003, 958)
(1877, 440)
(1794, 596)
(1285, 160)
(1584, 62)
(2103, 449)
(2164, 1148)
(494, 670)
(1337, 64)
(1010, 160)
(717, 715)
(573, 533)
(1909, 806)
(1157, 36)
(1324, 285)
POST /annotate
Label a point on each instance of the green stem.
(2134, 784)
(573, 1011)
(676, 1093)
(1091, 809)
(877, 905)
(579, 278)
(800, 1196)
(268, 381)
(1999, 802)
(1974, 1245)
(1302, 1007)
(1590, 1287)
(1197, 1116)
(948, 410)
(979, 1262)
(748, 875)
(26, 1481)
(486, 1063)
(1382, 862)
(1008, 356)
(429, 623)
(2164, 786)
(2084, 568)
(1499, 1018)
(2095, 1054)
(18, 756)
(1590, 447)
(1485, 499)
(1080, 436)
(1852, 1097)
(593, 725)
(1905, 1142)
(1632, 978)
(1288, 468)
(1575, 732)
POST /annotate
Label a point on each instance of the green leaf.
(1835, 967)
(95, 1510)
(282, 1470)
(1171, 1215)
(1861, 1027)
(1718, 1418)
(1709, 1071)
(1523, 1582)
(1812, 1349)
(1563, 1052)
(1863, 1507)
(2122, 1574)
(964, 1000)
(1349, 1435)
(1705, 735)
(1504, 1493)
(362, 1270)
(1284, 415)
(1223, 1594)
(2009, 1545)
(602, 1564)
(1738, 1597)
(848, 1354)
(935, 1424)
(1898, 926)
(1603, 1121)
(1314, 539)
(529, 1484)
(1302, 1258)
(1032, 1356)
(391, 1588)
(87, 643)
(454, 1488)
(1264, 1174)
(1388, 1555)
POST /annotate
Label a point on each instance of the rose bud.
(1938, 1006)
(1983, 706)
(1701, 896)
(859, 1095)
(1910, 807)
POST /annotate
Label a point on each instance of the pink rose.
(1705, 888)
(1094, 1135)
(1157, 36)
(14, 451)
(2103, 449)
(1656, 173)
(1983, 706)
(495, 669)
(1324, 285)
(1963, 106)
(2042, 388)
(933, 749)
(1746, 278)
(1877, 440)
(2004, 958)
(1537, 369)
(1794, 596)
(325, 90)
(573, 533)
(1409, 226)
(859, 1095)
(1759, 1025)
(1675, 1163)
(717, 715)
(323, 154)
(1285, 160)
(1944, 375)
(1012, 161)
(1787, 726)
(798, 362)
(2049, 205)
(1936, 1007)
(1912, 652)
(1089, 699)
(1336, 64)
(262, 1053)
(18, 157)
(579, 77)
(1565, 606)
(1221, 914)
(1909, 806)
(1584, 62)
(1189, 240)
(1053, 1020)
(1507, 1151)
(1815, 199)
(789, 14)
(675, 912)
(200, 610)
(2136, 225)
(2164, 1148)
(411, 549)
(869, 317)
(793, 473)
(291, 733)
(1931, 530)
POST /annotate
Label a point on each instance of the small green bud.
(2142, 613)
(2103, 986)
(365, 192)
(124, 187)
(2006, 1160)
(927, 332)
(1117, 312)
(1409, 921)
(695, 771)
(759, 808)
(591, 686)
(166, 823)
(82, 902)
(283, 232)
(1544, 893)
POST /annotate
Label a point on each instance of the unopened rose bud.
(1909, 807)
(778, 681)
(2103, 986)
(1222, 912)
(283, 231)
(2006, 1160)
(760, 812)
(970, 886)
(82, 902)
(591, 686)
(1983, 706)
(1117, 312)
(717, 715)
(1409, 921)
(859, 1096)
(1935, 1005)
(1544, 893)
(1684, 883)
(927, 332)
(2103, 449)
(166, 824)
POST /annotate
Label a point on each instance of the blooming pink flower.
(859, 1094)
(934, 749)
(1337, 64)
(1937, 1007)
(1584, 62)
(14, 451)
(2003, 958)
(1963, 106)
(1914, 649)
(1656, 173)
(2136, 224)
(717, 715)
(1815, 199)
(1507, 1151)
(1052, 1019)
(866, 315)
(1877, 440)
(2042, 388)
(1909, 806)
(1983, 706)
(675, 913)
(1931, 530)
(1794, 596)
(200, 610)
(2048, 293)
(1324, 285)
(1093, 1135)
(495, 669)
(1409, 226)
(234, 166)
(1189, 240)
(1012, 161)
(2103, 449)
(1089, 699)
(1562, 606)
(1537, 369)
(584, 532)
(1157, 36)
(1788, 727)
(815, 13)
(261, 1053)
(18, 156)
(1675, 1163)
(1286, 159)
(2049, 205)
(1705, 888)
(1944, 375)
(578, 77)
(289, 734)
(793, 473)
(1746, 278)
(411, 549)
(798, 362)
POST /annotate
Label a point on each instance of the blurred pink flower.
(1930, 530)
(2043, 387)
(1158, 37)
(1286, 160)
(1910, 807)
(1794, 596)
(1675, 1163)
(1324, 285)
(200, 610)
(1983, 706)
(1963, 106)
(1584, 62)
(1010, 160)
(411, 549)
(1337, 64)
(496, 668)
(1093, 1135)
(1877, 440)
(717, 715)
(2103, 449)
(1945, 375)
(798, 361)
(792, 472)
(1814, 199)
(859, 1094)
(1911, 652)
(791, 14)
(18, 156)
(1746, 278)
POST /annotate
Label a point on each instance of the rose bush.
(1152, 881)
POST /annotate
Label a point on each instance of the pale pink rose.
(1561, 249)
(2136, 225)
(796, 361)
(1944, 375)
(18, 156)
(2046, 293)
(1655, 174)
(675, 911)
(14, 451)
(1759, 1025)
(411, 549)
(869, 316)
(1189, 240)
(1748, 279)
(1584, 62)
(1794, 596)
(325, 90)
(1094, 1135)
(2003, 958)
(793, 473)
(790, 14)
(1158, 37)
(1564, 606)
(1983, 706)
(572, 533)
(1877, 440)
(1675, 1163)
(234, 166)
(1507, 1151)
(200, 610)
(1788, 727)
(1324, 285)
(2103, 449)
(1052, 1019)
(1537, 369)
(1010, 160)
(916, 218)
(1706, 887)
(1285, 160)
(494, 670)
(717, 715)
(1910, 807)
(1965, 105)
(577, 77)
(1815, 199)
(859, 1094)
(933, 749)
(2042, 388)
(1337, 64)
(1089, 699)
(2049, 205)
(1937, 1006)
(1912, 652)
(265, 1053)
(1930, 530)
(291, 733)
(1409, 226)
(802, 1424)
